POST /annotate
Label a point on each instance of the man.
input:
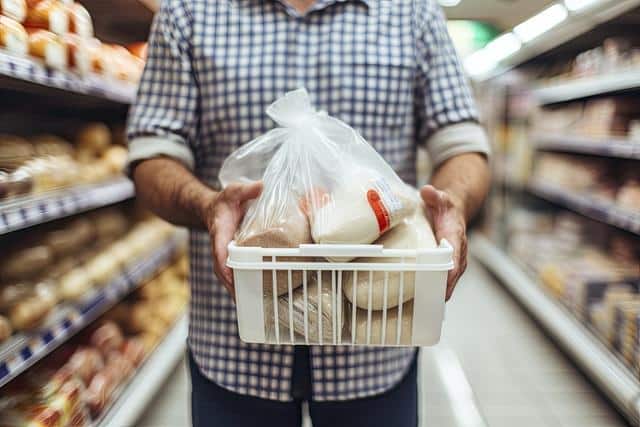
(388, 69)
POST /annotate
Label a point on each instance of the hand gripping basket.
(279, 301)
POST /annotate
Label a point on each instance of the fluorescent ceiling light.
(486, 59)
(541, 23)
(449, 3)
(578, 5)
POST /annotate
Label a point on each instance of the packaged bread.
(115, 159)
(101, 268)
(92, 140)
(109, 224)
(15, 151)
(49, 47)
(376, 329)
(107, 338)
(323, 315)
(413, 233)
(101, 388)
(24, 263)
(51, 15)
(30, 311)
(19, 182)
(78, 53)
(13, 36)
(70, 238)
(51, 145)
(139, 50)
(85, 363)
(5, 328)
(14, 9)
(287, 229)
(80, 21)
(133, 350)
(74, 284)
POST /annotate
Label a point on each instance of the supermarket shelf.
(23, 350)
(23, 212)
(34, 76)
(594, 358)
(588, 86)
(136, 395)
(591, 207)
(606, 147)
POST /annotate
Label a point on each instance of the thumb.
(244, 192)
(431, 196)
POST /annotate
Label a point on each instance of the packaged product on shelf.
(5, 328)
(139, 50)
(78, 53)
(397, 317)
(23, 263)
(320, 165)
(115, 159)
(51, 145)
(29, 311)
(13, 36)
(92, 141)
(71, 237)
(74, 284)
(85, 363)
(413, 233)
(14, 152)
(49, 15)
(109, 223)
(80, 21)
(49, 47)
(320, 308)
(14, 9)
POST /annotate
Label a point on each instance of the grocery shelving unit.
(137, 394)
(23, 350)
(22, 212)
(606, 147)
(591, 207)
(603, 367)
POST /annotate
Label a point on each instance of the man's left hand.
(448, 220)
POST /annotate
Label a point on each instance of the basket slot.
(339, 306)
(384, 308)
(274, 289)
(290, 284)
(369, 303)
(306, 302)
(320, 337)
(354, 309)
(334, 304)
(400, 304)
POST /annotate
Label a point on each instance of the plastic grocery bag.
(315, 167)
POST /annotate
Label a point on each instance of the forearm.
(466, 178)
(171, 191)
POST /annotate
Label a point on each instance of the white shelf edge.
(585, 87)
(616, 380)
(606, 146)
(145, 384)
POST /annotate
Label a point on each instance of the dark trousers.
(213, 405)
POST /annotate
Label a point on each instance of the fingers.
(432, 197)
(460, 265)
(242, 192)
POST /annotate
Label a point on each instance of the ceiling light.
(486, 59)
(541, 23)
(578, 5)
(449, 3)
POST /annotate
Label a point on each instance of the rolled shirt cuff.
(453, 140)
(148, 147)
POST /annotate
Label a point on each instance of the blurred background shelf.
(23, 350)
(23, 212)
(607, 147)
(570, 90)
(149, 378)
(27, 75)
(599, 210)
(602, 366)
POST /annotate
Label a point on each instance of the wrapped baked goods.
(31, 310)
(51, 145)
(109, 224)
(49, 47)
(101, 268)
(92, 141)
(78, 53)
(13, 36)
(377, 326)
(49, 15)
(115, 159)
(15, 152)
(5, 328)
(107, 338)
(72, 237)
(139, 50)
(14, 9)
(24, 263)
(80, 21)
(85, 363)
(323, 310)
(412, 233)
(133, 350)
(320, 165)
(74, 284)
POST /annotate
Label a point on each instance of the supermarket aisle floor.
(494, 368)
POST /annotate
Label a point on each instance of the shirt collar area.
(322, 4)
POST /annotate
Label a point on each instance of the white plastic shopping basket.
(286, 317)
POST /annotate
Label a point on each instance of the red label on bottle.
(379, 209)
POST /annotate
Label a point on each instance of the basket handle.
(356, 251)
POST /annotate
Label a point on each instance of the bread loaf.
(49, 15)
(13, 36)
(80, 21)
(391, 329)
(412, 233)
(14, 9)
(5, 328)
(49, 47)
(92, 141)
(24, 263)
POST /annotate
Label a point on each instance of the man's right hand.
(222, 215)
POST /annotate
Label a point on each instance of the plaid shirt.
(387, 68)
